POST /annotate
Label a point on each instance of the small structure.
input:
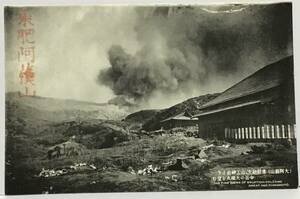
(260, 107)
(183, 119)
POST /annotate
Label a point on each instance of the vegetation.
(118, 154)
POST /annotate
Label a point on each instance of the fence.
(261, 132)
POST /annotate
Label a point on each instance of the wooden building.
(180, 120)
(259, 107)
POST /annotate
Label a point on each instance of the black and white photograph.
(149, 98)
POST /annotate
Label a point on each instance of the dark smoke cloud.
(183, 49)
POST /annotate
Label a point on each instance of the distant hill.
(53, 109)
(44, 122)
(191, 105)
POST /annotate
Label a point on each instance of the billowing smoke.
(196, 50)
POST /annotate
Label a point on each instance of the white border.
(245, 194)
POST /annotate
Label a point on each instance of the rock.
(208, 146)
(93, 167)
(203, 160)
(202, 155)
(174, 178)
(226, 146)
(149, 170)
(131, 170)
(179, 165)
(93, 182)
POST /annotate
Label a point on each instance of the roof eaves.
(228, 108)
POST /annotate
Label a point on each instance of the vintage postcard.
(149, 98)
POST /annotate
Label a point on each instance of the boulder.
(179, 165)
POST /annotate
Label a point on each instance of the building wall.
(278, 109)
(178, 123)
(213, 125)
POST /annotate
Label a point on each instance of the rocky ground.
(108, 155)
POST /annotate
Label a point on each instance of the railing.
(261, 132)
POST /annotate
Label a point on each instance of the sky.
(149, 57)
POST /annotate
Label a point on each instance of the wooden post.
(295, 132)
(246, 133)
(243, 133)
(267, 132)
(289, 131)
(236, 134)
(258, 132)
(283, 131)
(240, 133)
(250, 132)
(277, 132)
(272, 131)
(254, 132)
(263, 132)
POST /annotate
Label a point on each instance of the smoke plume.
(196, 50)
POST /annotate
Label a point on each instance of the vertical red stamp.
(26, 53)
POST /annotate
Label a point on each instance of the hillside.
(37, 125)
(52, 109)
(48, 121)
(47, 155)
(141, 116)
(191, 106)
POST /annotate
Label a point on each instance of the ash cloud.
(196, 50)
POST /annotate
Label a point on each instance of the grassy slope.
(112, 149)
(33, 124)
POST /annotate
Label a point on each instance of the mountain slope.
(141, 116)
(60, 109)
(150, 118)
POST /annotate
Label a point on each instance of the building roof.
(266, 78)
(228, 108)
(180, 116)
